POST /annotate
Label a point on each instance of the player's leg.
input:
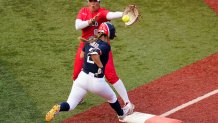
(112, 77)
(100, 87)
(78, 63)
(78, 90)
(76, 94)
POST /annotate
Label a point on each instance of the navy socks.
(116, 106)
(64, 106)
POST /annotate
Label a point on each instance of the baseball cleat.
(127, 110)
(129, 107)
(51, 114)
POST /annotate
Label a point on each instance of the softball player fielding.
(88, 20)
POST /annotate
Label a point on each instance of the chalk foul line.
(189, 103)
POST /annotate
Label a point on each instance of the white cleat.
(129, 107)
(127, 110)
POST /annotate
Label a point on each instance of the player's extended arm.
(114, 15)
(80, 24)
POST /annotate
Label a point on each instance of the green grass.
(38, 44)
(13, 98)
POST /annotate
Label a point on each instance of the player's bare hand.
(100, 72)
(94, 19)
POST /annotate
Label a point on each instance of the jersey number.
(89, 60)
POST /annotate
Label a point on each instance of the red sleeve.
(104, 13)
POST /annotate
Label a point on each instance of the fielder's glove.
(100, 72)
(132, 12)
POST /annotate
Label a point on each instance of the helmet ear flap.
(112, 33)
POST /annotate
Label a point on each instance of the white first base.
(139, 117)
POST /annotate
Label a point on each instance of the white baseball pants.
(88, 83)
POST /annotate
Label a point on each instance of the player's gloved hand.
(99, 73)
(94, 19)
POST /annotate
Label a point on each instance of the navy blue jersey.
(89, 64)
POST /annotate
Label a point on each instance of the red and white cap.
(94, 0)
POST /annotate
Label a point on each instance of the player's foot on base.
(50, 115)
(127, 110)
(129, 107)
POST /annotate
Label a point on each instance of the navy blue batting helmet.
(108, 29)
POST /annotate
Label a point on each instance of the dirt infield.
(168, 92)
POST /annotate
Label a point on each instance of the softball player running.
(91, 78)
